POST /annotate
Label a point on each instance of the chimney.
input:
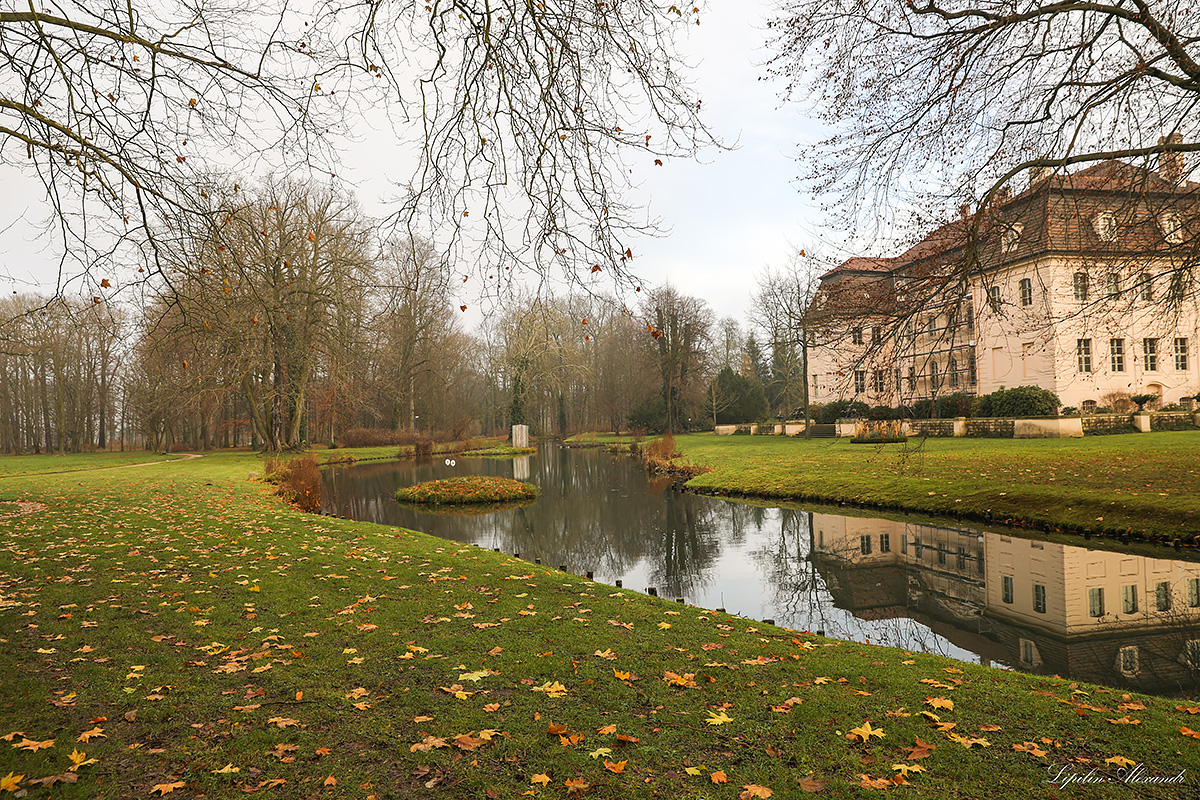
(1170, 164)
(1037, 173)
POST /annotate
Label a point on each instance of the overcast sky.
(729, 215)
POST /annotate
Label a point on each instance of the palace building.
(1083, 284)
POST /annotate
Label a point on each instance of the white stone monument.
(520, 436)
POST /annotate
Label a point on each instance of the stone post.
(520, 436)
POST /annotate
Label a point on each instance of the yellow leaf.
(552, 689)
(904, 769)
(541, 778)
(79, 759)
(10, 782)
(1120, 761)
(167, 788)
(694, 770)
(940, 702)
(226, 770)
(32, 746)
(864, 732)
(475, 677)
(600, 751)
(718, 719)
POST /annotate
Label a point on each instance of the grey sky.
(728, 216)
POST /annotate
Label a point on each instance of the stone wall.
(990, 428)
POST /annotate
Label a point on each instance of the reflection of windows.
(1162, 595)
(1191, 653)
(1129, 603)
(960, 560)
(1193, 585)
(917, 546)
(864, 544)
(979, 561)
(1029, 653)
(941, 551)
(885, 543)
(1081, 286)
(1039, 598)
(1006, 588)
(1096, 602)
(1116, 348)
(904, 544)
(1127, 660)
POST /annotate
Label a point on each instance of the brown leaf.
(719, 777)
(921, 750)
(754, 790)
(330, 781)
(812, 785)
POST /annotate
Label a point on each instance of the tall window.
(1129, 600)
(1193, 586)
(933, 376)
(1113, 284)
(864, 545)
(1146, 286)
(971, 377)
(1081, 286)
(1039, 598)
(885, 543)
(878, 381)
(899, 380)
(1162, 595)
(1083, 354)
(860, 381)
(1128, 657)
(994, 297)
(1116, 349)
(912, 379)
(1096, 602)
(876, 334)
(1150, 352)
(1026, 292)
(1181, 353)
(856, 336)
(1006, 588)
(952, 368)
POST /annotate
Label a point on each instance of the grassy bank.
(179, 626)
(1148, 484)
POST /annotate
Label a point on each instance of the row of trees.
(285, 319)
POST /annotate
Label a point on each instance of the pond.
(982, 596)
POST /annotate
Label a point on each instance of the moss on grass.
(467, 490)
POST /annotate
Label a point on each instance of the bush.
(1023, 401)
(650, 415)
(842, 409)
(662, 449)
(468, 489)
(954, 405)
(299, 481)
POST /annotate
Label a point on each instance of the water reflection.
(979, 596)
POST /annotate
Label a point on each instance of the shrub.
(1022, 401)
(469, 489)
(841, 409)
(1117, 402)
(662, 449)
(650, 415)
(303, 484)
(954, 405)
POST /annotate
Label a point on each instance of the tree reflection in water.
(947, 590)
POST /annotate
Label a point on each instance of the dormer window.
(1171, 228)
(1010, 237)
(1105, 225)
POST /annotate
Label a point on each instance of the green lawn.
(1143, 483)
(180, 626)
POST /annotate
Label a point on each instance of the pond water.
(982, 596)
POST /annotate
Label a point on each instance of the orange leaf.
(754, 790)
(330, 781)
(166, 788)
(607, 729)
(719, 777)
(541, 778)
(617, 766)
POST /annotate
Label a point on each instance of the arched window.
(1081, 286)
(1105, 225)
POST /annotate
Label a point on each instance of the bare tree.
(783, 304)
(518, 113)
(936, 104)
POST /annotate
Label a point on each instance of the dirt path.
(185, 457)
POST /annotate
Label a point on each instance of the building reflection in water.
(1083, 613)
(1094, 615)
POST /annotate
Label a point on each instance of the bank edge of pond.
(727, 480)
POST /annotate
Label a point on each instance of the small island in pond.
(471, 489)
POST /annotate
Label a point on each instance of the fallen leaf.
(10, 782)
(1120, 761)
(541, 778)
(719, 777)
(718, 718)
(754, 790)
(167, 788)
(617, 767)
(864, 732)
